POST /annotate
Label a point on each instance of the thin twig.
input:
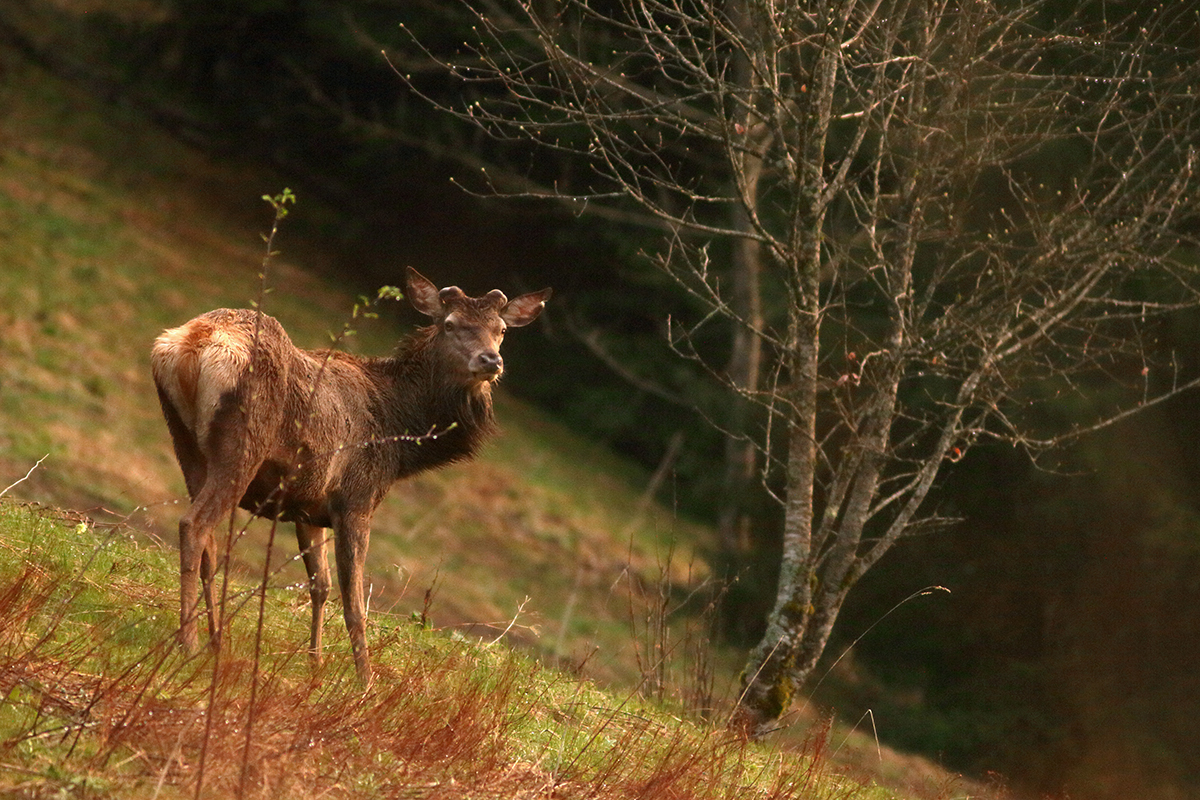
(511, 623)
(27, 474)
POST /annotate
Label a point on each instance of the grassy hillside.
(100, 703)
(110, 232)
(102, 251)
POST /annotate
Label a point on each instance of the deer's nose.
(488, 363)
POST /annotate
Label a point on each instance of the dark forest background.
(1068, 651)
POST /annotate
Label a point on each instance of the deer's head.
(469, 330)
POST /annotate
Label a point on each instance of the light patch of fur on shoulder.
(195, 364)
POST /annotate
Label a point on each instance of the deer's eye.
(448, 325)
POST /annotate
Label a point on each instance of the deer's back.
(205, 362)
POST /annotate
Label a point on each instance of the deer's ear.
(423, 294)
(525, 309)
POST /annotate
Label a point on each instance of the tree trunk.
(741, 450)
(734, 515)
(743, 372)
(769, 678)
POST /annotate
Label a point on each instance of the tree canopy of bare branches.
(946, 212)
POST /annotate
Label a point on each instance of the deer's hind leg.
(198, 560)
(191, 458)
(233, 457)
(312, 540)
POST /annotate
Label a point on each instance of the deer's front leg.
(353, 534)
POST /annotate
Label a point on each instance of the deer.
(317, 438)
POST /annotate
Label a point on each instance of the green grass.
(100, 702)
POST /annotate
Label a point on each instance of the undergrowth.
(98, 701)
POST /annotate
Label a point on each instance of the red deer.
(318, 438)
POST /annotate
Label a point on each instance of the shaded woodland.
(1065, 654)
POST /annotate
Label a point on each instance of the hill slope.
(110, 232)
(102, 252)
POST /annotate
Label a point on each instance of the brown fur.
(318, 437)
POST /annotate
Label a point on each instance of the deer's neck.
(436, 421)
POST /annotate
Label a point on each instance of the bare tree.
(956, 212)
